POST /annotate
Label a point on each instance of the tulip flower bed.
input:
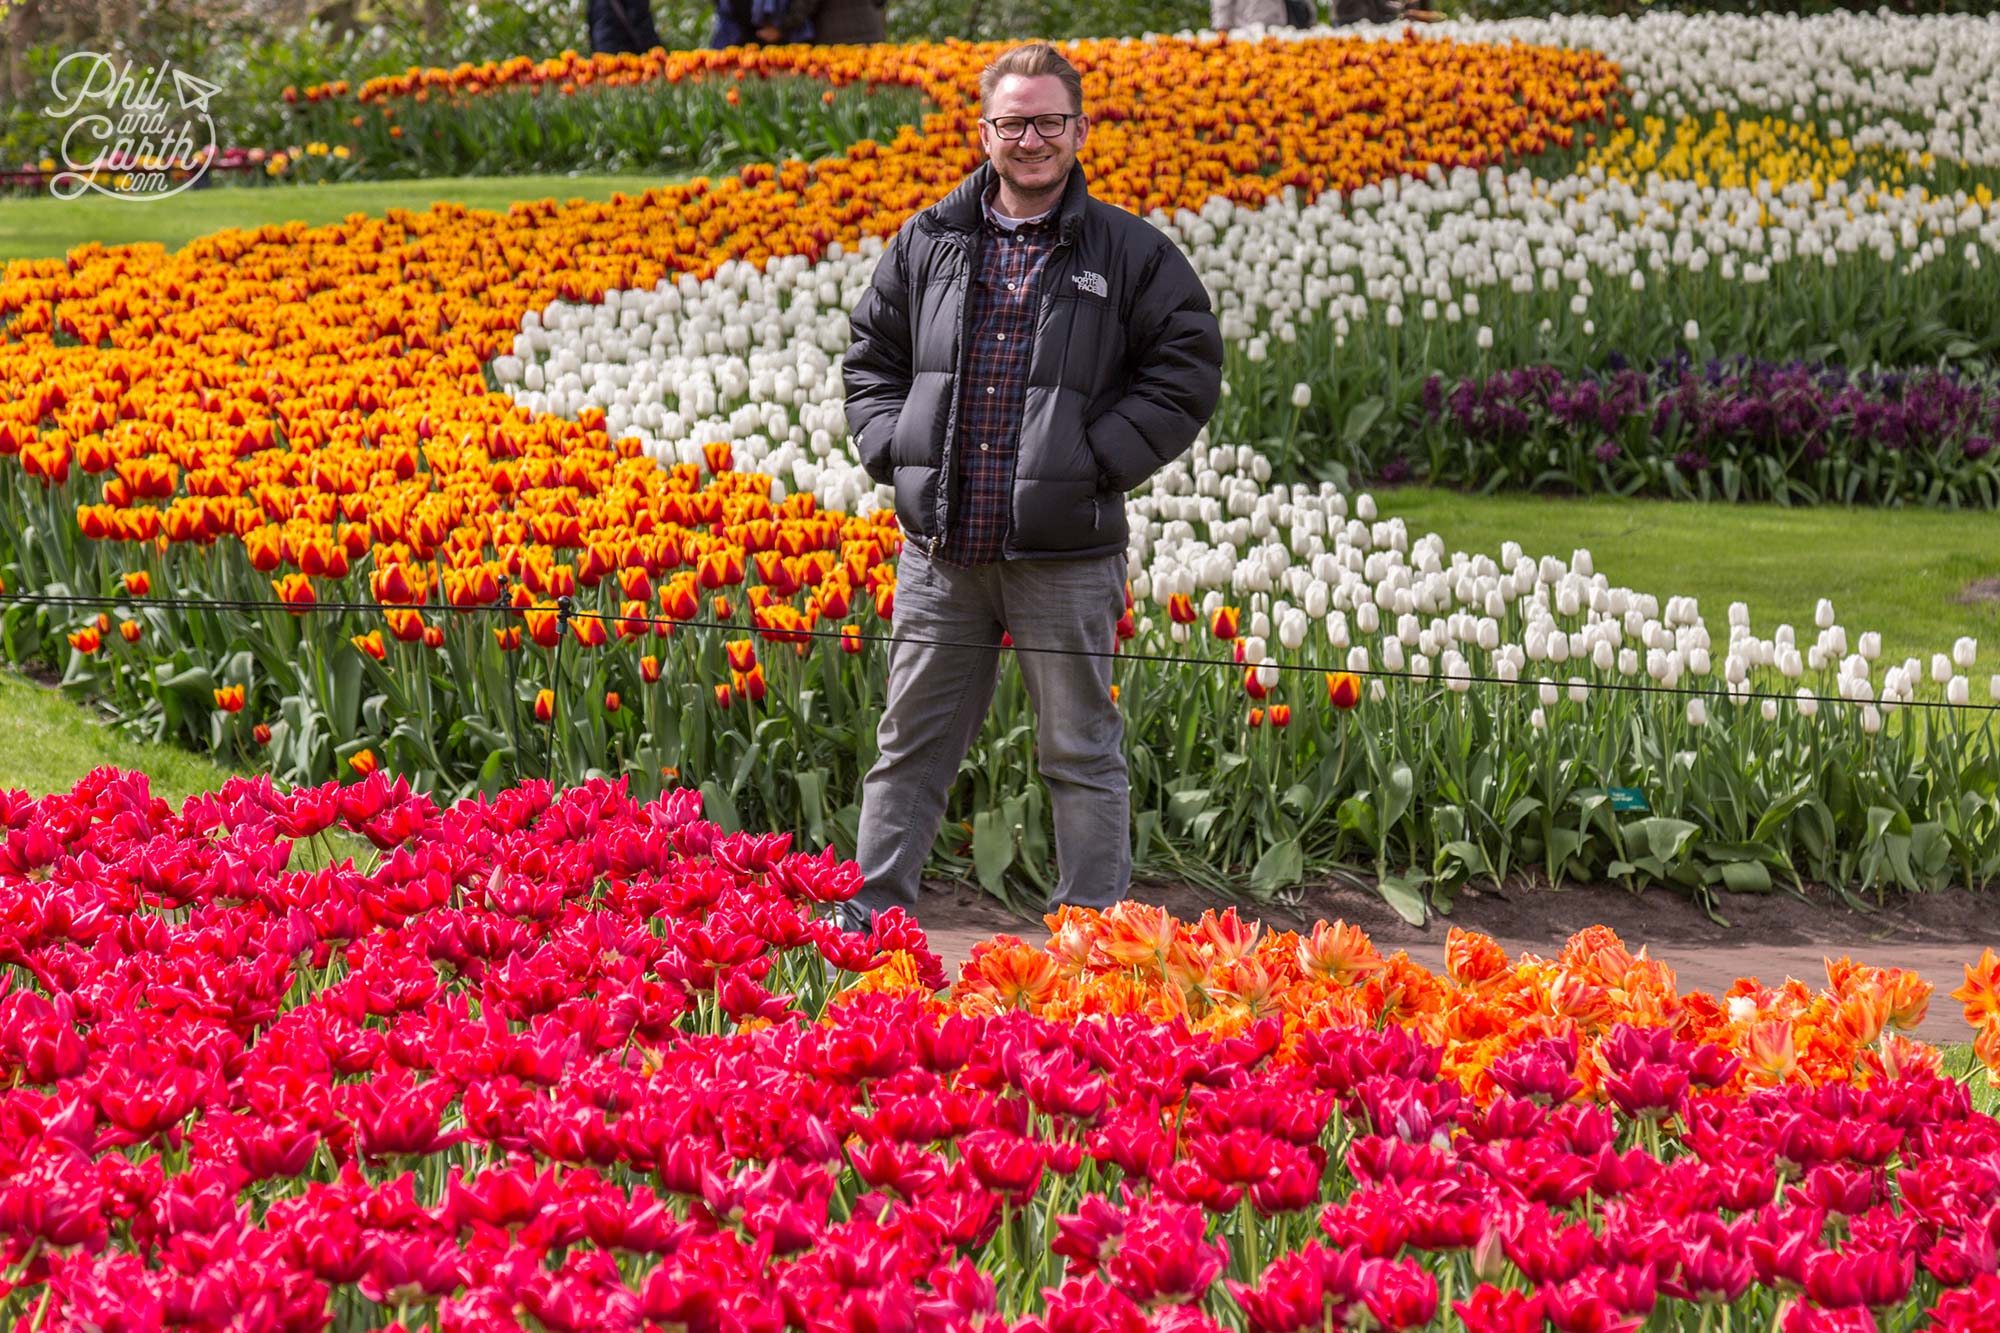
(635, 405)
(1736, 430)
(566, 1061)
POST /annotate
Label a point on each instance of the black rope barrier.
(565, 612)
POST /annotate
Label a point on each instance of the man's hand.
(769, 34)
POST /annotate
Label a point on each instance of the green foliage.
(688, 128)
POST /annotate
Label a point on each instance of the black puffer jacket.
(1126, 369)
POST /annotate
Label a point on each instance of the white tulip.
(1302, 395)
(1964, 652)
(1958, 691)
(1697, 712)
(1292, 630)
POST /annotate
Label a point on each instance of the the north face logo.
(1093, 283)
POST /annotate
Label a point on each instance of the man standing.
(1024, 356)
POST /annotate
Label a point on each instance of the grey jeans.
(939, 697)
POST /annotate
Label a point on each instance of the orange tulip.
(1338, 952)
(364, 763)
(545, 705)
(723, 696)
(296, 591)
(1472, 959)
(265, 547)
(1768, 1050)
(261, 733)
(371, 644)
(406, 623)
(611, 702)
(1253, 685)
(85, 640)
(392, 584)
(649, 668)
(834, 601)
(1256, 717)
(433, 637)
(1343, 689)
(1280, 715)
(508, 640)
(742, 654)
(1224, 623)
(679, 600)
(138, 583)
(229, 698)
(850, 639)
(543, 625)
(1981, 992)
(1180, 609)
(129, 630)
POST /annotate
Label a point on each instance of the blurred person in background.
(1226, 14)
(830, 23)
(622, 27)
(1380, 11)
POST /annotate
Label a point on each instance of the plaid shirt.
(1005, 296)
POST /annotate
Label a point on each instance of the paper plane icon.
(194, 92)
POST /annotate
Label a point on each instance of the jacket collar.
(962, 209)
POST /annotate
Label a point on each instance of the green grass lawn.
(48, 741)
(1897, 571)
(42, 228)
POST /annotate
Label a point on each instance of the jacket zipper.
(966, 249)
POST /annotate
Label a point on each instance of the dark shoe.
(854, 918)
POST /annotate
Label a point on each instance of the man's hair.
(1029, 61)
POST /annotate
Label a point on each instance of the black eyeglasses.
(1048, 126)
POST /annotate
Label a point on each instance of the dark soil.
(1769, 936)
(1981, 590)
